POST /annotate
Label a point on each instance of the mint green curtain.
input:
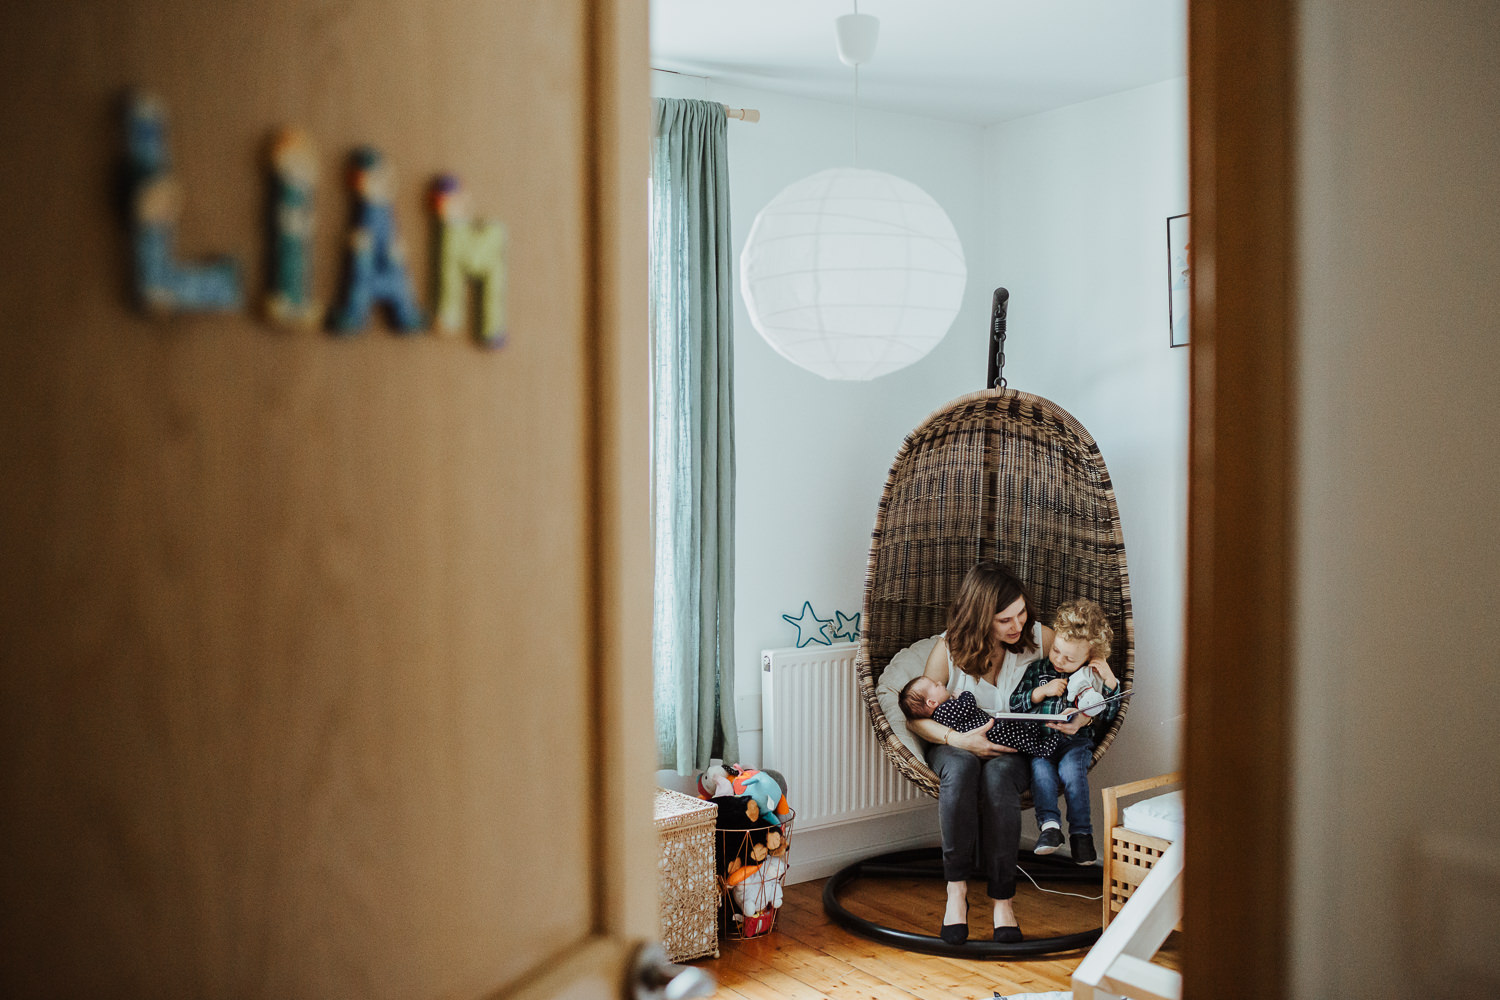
(692, 436)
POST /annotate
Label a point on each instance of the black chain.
(998, 307)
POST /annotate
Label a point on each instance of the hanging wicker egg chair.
(1004, 475)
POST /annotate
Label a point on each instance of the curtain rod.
(741, 114)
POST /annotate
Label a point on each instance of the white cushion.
(905, 665)
(1158, 816)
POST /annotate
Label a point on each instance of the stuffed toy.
(714, 782)
(718, 781)
(775, 842)
(742, 833)
(738, 873)
(766, 793)
(1082, 694)
(738, 812)
(750, 804)
(760, 890)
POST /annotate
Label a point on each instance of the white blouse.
(994, 697)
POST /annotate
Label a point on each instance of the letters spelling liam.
(163, 284)
(470, 253)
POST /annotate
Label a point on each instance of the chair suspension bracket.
(998, 306)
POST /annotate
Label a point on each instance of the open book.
(1064, 716)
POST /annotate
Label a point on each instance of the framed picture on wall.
(1179, 262)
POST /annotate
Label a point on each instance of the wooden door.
(1237, 751)
(324, 661)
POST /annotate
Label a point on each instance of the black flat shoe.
(954, 933)
(1008, 935)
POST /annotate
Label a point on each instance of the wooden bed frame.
(1130, 855)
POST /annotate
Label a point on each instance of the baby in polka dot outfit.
(925, 698)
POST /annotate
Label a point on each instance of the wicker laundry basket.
(688, 888)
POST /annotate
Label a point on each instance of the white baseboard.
(819, 853)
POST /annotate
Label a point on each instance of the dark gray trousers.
(979, 812)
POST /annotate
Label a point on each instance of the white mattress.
(1158, 816)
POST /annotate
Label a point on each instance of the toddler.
(1075, 675)
(925, 698)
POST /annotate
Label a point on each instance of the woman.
(991, 636)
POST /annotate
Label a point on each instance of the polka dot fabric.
(963, 713)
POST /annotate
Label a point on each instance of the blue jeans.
(1069, 766)
(979, 815)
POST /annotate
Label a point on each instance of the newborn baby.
(925, 698)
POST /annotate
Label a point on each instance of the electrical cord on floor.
(1056, 892)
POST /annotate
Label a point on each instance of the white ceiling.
(978, 61)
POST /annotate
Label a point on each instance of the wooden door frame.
(1235, 753)
(617, 621)
(619, 102)
(1235, 747)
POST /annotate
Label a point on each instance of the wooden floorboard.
(807, 956)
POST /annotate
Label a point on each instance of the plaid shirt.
(1039, 672)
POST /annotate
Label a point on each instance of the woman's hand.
(1071, 727)
(977, 743)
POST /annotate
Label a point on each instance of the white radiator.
(816, 731)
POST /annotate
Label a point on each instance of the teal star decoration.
(847, 626)
(815, 631)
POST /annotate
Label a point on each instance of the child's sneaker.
(1048, 841)
(1082, 847)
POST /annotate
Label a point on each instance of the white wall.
(1395, 852)
(1066, 209)
(1075, 223)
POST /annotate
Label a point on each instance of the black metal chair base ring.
(926, 863)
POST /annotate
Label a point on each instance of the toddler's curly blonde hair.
(1082, 619)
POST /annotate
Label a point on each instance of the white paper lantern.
(852, 273)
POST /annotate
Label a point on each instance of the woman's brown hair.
(988, 589)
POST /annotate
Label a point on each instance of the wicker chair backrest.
(998, 474)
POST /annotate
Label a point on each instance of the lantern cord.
(856, 109)
(856, 102)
